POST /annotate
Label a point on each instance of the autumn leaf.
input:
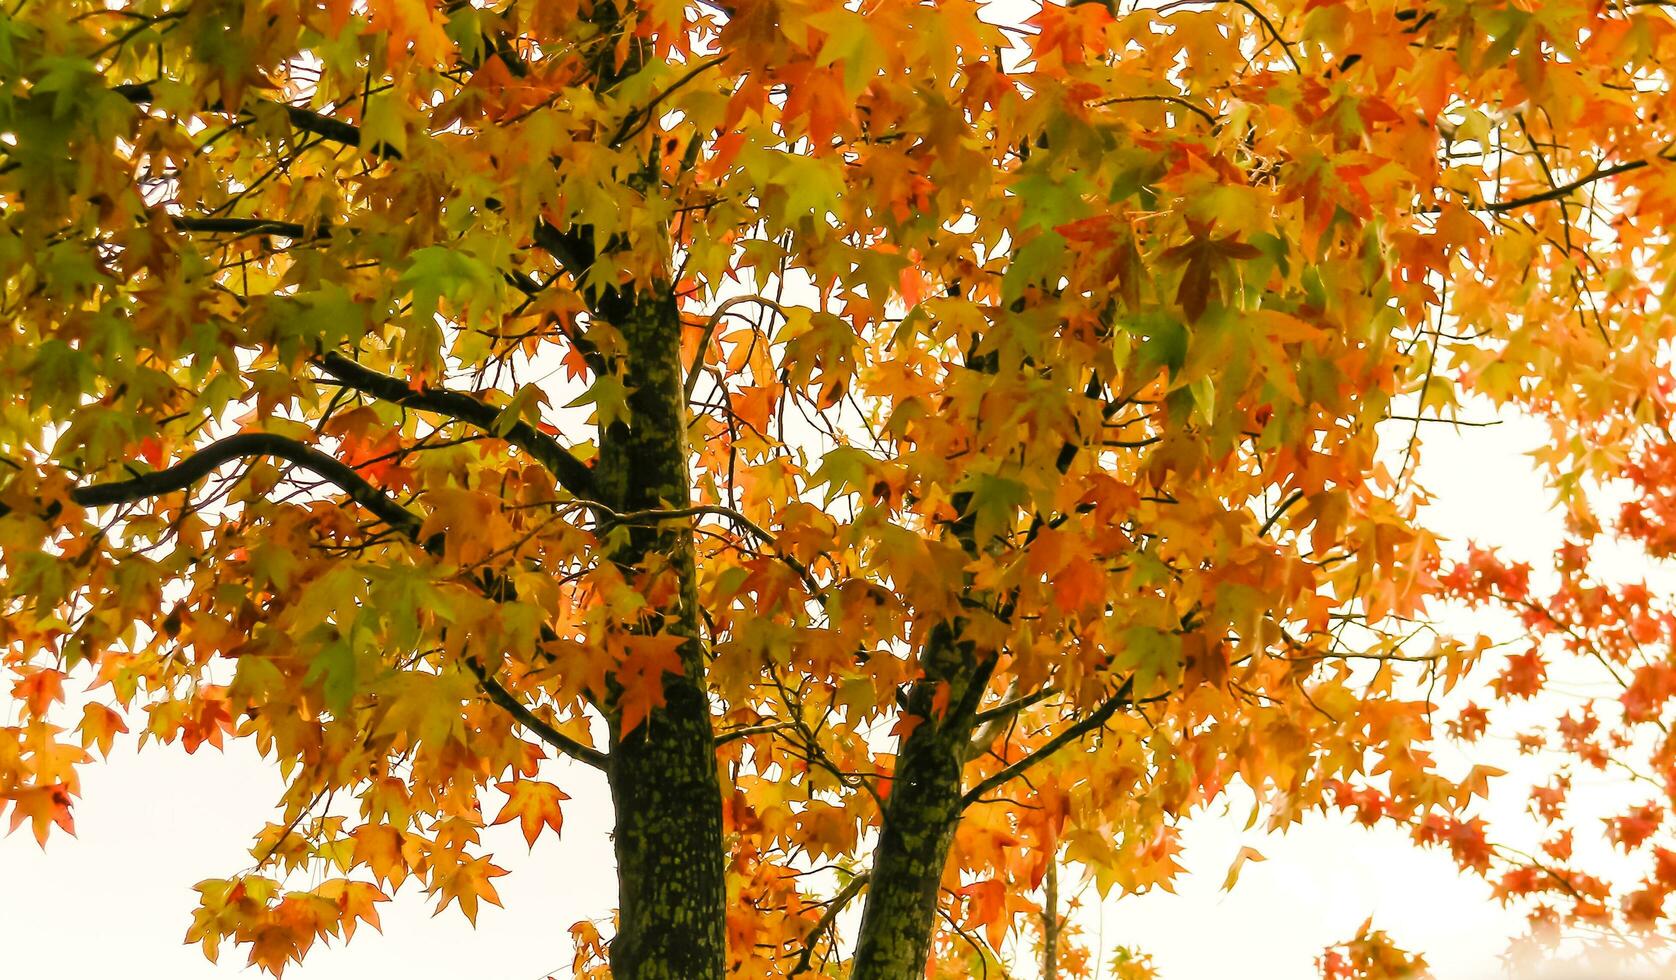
(42, 806)
(466, 883)
(100, 726)
(533, 804)
(1245, 854)
(643, 663)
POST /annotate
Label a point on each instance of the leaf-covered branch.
(572, 474)
(306, 120)
(245, 445)
(211, 457)
(851, 889)
(1071, 733)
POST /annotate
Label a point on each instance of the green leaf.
(523, 406)
(334, 670)
(1163, 343)
(609, 396)
(843, 470)
(994, 505)
(1152, 656)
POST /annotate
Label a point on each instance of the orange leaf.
(533, 804)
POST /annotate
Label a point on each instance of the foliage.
(1586, 691)
(1370, 956)
(884, 441)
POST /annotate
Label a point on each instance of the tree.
(901, 451)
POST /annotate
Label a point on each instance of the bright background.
(115, 901)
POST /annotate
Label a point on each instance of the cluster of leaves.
(1587, 693)
(1049, 439)
(1371, 955)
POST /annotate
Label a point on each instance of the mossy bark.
(920, 815)
(919, 823)
(668, 840)
(1050, 920)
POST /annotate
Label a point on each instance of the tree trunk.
(920, 816)
(1050, 921)
(671, 890)
(919, 824)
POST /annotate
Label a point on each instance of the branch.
(639, 119)
(1008, 708)
(568, 248)
(832, 909)
(217, 454)
(572, 474)
(1280, 512)
(247, 226)
(1098, 719)
(574, 253)
(1263, 18)
(652, 516)
(722, 738)
(247, 444)
(985, 730)
(1563, 190)
(710, 331)
(585, 754)
(1177, 100)
(655, 514)
(307, 120)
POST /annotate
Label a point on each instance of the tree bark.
(668, 840)
(1050, 921)
(919, 823)
(920, 816)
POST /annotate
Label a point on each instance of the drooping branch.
(572, 474)
(1070, 734)
(241, 446)
(245, 445)
(586, 754)
(710, 331)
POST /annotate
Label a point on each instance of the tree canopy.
(906, 446)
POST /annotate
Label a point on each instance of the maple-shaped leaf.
(42, 806)
(100, 726)
(468, 882)
(642, 664)
(382, 848)
(1204, 258)
(534, 804)
(39, 689)
(356, 902)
